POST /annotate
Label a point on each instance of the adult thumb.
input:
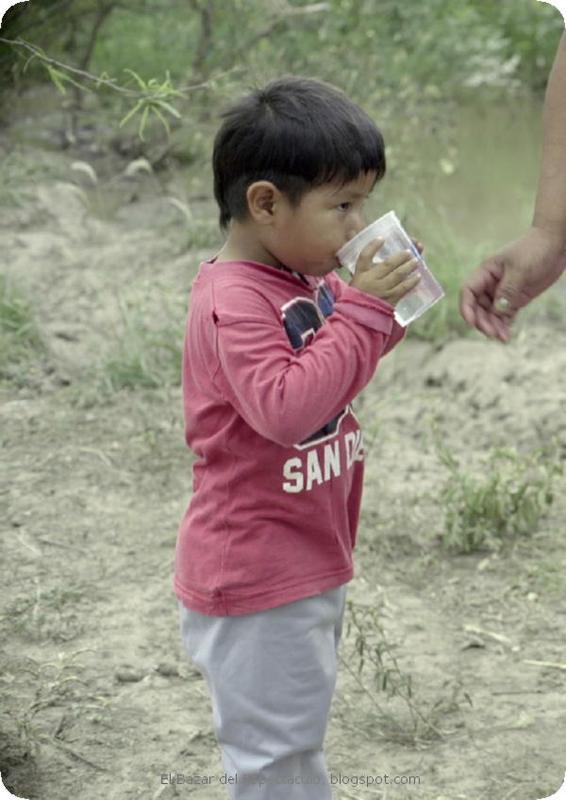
(506, 297)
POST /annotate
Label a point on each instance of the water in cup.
(427, 291)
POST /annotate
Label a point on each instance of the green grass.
(547, 574)
(140, 357)
(20, 339)
(203, 235)
(145, 360)
(19, 174)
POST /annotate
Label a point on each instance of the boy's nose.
(354, 229)
(358, 223)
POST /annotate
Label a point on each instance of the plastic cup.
(425, 294)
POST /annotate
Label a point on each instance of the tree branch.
(110, 83)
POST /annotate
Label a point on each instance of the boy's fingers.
(393, 263)
(365, 257)
(402, 272)
(373, 247)
(402, 288)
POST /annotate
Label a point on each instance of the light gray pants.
(271, 676)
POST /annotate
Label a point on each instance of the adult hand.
(510, 279)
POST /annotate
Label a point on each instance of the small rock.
(168, 670)
(473, 643)
(435, 380)
(129, 675)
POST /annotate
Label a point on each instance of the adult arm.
(522, 270)
(550, 206)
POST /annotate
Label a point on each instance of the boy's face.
(306, 238)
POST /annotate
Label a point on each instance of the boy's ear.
(263, 198)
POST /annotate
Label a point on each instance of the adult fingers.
(484, 323)
(468, 303)
(479, 290)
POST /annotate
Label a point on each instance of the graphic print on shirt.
(302, 318)
(318, 466)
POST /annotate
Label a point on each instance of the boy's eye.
(345, 206)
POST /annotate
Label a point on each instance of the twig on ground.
(34, 550)
(76, 755)
(550, 664)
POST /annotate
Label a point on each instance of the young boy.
(277, 346)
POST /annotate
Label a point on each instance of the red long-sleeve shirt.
(272, 361)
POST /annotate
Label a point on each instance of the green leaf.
(143, 122)
(131, 113)
(173, 111)
(140, 81)
(30, 59)
(57, 77)
(162, 118)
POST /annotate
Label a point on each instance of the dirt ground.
(97, 699)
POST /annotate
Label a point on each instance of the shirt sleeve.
(363, 307)
(283, 394)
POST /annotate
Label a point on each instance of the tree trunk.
(200, 70)
(75, 106)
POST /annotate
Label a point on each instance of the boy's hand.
(389, 280)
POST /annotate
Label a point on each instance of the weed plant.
(32, 718)
(400, 715)
(54, 614)
(508, 499)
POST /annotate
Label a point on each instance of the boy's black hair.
(297, 133)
